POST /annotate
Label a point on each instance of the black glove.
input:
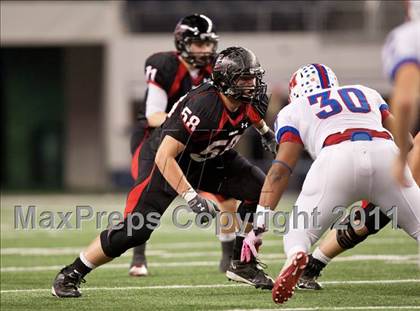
(261, 105)
(269, 142)
(199, 205)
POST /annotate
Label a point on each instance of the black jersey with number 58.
(201, 122)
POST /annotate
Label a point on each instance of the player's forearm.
(173, 174)
(404, 104)
(401, 131)
(165, 160)
(389, 123)
(278, 176)
(156, 119)
(274, 185)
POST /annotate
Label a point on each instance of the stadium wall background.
(71, 72)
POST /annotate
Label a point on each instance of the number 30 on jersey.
(333, 106)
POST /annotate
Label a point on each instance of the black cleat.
(66, 284)
(308, 283)
(251, 273)
(308, 279)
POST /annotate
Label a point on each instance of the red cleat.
(284, 287)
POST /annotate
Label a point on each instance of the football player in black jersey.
(192, 151)
(171, 75)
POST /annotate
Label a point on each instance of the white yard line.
(358, 282)
(128, 288)
(266, 258)
(167, 246)
(166, 253)
(115, 266)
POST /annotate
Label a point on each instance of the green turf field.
(380, 274)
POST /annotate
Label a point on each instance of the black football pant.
(140, 133)
(230, 175)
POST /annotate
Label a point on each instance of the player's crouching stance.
(341, 127)
(401, 59)
(192, 151)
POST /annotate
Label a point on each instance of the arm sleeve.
(160, 70)
(401, 47)
(285, 128)
(156, 99)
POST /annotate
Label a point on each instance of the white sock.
(291, 252)
(227, 237)
(318, 254)
(86, 262)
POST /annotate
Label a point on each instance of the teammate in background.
(345, 129)
(401, 58)
(171, 75)
(195, 141)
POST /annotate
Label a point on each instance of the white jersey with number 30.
(310, 120)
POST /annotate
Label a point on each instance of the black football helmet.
(195, 28)
(234, 64)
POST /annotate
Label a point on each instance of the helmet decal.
(195, 28)
(209, 29)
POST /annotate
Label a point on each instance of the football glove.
(251, 244)
(269, 142)
(199, 205)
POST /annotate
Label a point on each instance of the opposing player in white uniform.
(401, 59)
(345, 131)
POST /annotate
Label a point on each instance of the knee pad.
(116, 242)
(108, 249)
(370, 223)
(247, 207)
(347, 238)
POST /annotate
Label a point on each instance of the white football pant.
(343, 174)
